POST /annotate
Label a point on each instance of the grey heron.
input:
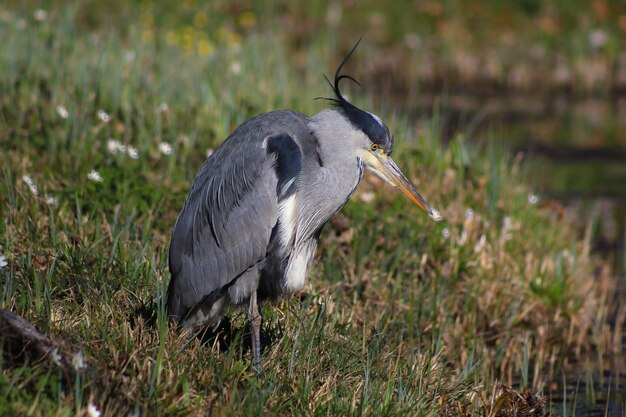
(251, 222)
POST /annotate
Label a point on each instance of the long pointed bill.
(385, 166)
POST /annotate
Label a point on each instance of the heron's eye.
(375, 146)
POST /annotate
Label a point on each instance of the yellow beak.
(388, 169)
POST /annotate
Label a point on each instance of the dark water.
(575, 151)
(593, 385)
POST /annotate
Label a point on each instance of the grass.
(401, 315)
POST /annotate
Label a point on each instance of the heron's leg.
(254, 316)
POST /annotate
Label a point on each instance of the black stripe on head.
(372, 126)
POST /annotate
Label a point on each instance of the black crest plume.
(339, 100)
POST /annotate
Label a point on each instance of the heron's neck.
(329, 186)
(334, 143)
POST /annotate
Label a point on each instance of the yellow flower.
(205, 47)
(187, 38)
(200, 20)
(229, 36)
(147, 35)
(247, 19)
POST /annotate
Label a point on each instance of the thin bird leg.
(254, 317)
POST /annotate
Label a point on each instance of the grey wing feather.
(226, 223)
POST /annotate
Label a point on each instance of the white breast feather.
(287, 219)
(298, 263)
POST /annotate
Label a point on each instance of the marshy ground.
(107, 110)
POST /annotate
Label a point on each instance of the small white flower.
(165, 148)
(129, 56)
(185, 139)
(92, 411)
(104, 116)
(40, 15)
(235, 68)
(55, 356)
(209, 152)
(114, 145)
(94, 176)
(31, 184)
(412, 41)
(532, 198)
(163, 108)
(133, 152)
(507, 224)
(78, 361)
(469, 214)
(367, 197)
(598, 38)
(51, 200)
(62, 112)
(27, 179)
(445, 233)
(3, 261)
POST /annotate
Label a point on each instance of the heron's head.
(372, 142)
